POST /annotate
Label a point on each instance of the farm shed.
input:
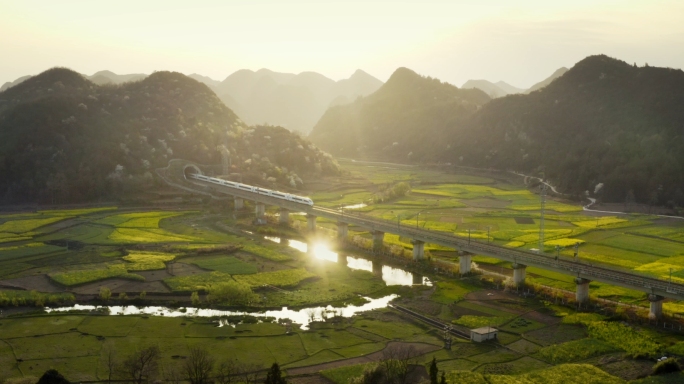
(481, 334)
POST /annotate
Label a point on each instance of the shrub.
(666, 366)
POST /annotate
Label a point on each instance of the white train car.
(259, 190)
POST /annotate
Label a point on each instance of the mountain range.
(602, 121)
(501, 88)
(408, 111)
(64, 138)
(293, 101)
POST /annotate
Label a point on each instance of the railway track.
(433, 322)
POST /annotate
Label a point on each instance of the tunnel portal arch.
(191, 170)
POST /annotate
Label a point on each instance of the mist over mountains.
(398, 121)
(602, 121)
(501, 88)
(64, 138)
(293, 101)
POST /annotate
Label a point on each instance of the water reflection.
(302, 316)
(390, 275)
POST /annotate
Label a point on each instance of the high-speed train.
(251, 188)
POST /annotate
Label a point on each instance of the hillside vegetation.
(401, 121)
(63, 138)
(604, 121)
(604, 126)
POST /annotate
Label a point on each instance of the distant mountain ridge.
(501, 88)
(407, 110)
(295, 101)
(64, 138)
(601, 122)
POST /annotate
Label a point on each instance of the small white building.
(479, 335)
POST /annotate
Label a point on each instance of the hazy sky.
(520, 42)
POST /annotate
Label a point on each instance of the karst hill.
(64, 138)
(603, 121)
(400, 121)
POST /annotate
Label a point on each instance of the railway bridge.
(656, 289)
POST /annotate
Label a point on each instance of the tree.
(51, 376)
(172, 373)
(274, 375)
(433, 371)
(195, 299)
(199, 365)
(142, 365)
(231, 292)
(249, 373)
(109, 358)
(397, 360)
(226, 371)
(105, 293)
(443, 379)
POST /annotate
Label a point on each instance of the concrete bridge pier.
(260, 210)
(377, 268)
(656, 310)
(284, 216)
(417, 279)
(311, 223)
(239, 203)
(464, 262)
(341, 259)
(519, 274)
(418, 250)
(342, 230)
(378, 238)
(582, 292)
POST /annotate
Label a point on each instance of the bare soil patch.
(556, 334)
(423, 307)
(40, 283)
(628, 369)
(121, 285)
(542, 318)
(524, 220)
(490, 294)
(156, 275)
(183, 269)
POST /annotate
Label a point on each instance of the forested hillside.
(66, 139)
(401, 121)
(604, 121)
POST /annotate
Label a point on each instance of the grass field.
(143, 261)
(575, 351)
(110, 243)
(226, 264)
(28, 225)
(283, 279)
(196, 282)
(86, 276)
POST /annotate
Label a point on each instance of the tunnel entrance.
(190, 170)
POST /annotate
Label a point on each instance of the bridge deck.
(606, 275)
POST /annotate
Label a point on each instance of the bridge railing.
(577, 268)
(588, 271)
